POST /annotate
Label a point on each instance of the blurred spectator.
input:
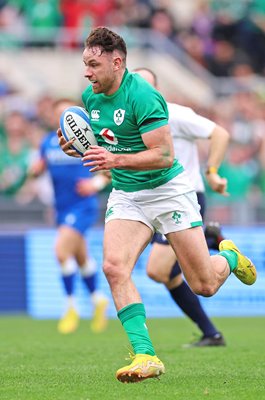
(194, 46)
(202, 25)
(242, 114)
(242, 23)
(222, 60)
(253, 35)
(82, 15)
(228, 18)
(43, 19)
(134, 13)
(12, 25)
(162, 22)
(15, 154)
(44, 111)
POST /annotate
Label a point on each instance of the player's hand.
(217, 183)
(66, 146)
(99, 159)
(86, 187)
(36, 168)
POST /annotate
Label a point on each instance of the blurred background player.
(76, 207)
(186, 127)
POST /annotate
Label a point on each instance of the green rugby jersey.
(119, 121)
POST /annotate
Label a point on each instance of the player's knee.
(115, 272)
(157, 276)
(203, 289)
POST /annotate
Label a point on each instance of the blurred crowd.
(225, 37)
(242, 114)
(218, 34)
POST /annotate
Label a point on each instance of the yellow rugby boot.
(245, 270)
(99, 320)
(143, 366)
(69, 322)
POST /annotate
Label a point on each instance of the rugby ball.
(75, 124)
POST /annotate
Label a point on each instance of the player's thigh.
(160, 262)
(81, 251)
(193, 255)
(124, 241)
(67, 241)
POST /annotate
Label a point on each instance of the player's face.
(100, 70)
(59, 109)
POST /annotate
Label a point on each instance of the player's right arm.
(219, 140)
(190, 125)
(159, 154)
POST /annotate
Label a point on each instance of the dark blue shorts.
(79, 219)
(158, 238)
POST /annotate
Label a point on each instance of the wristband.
(99, 182)
(211, 170)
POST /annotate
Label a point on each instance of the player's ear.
(117, 63)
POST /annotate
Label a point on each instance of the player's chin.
(96, 89)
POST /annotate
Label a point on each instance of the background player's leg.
(88, 271)
(65, 251)
(159, 268)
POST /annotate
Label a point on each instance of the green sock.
(231, 257)
(133, 320)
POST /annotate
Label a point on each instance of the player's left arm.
(219, 140)
(159, 154)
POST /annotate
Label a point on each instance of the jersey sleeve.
(189, 123)
(150, 109)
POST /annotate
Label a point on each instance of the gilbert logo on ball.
(75, 124)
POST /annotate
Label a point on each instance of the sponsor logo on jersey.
(95, 115)
(108, 136)
(114, 149)
(119, 116)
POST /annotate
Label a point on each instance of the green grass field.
(36, 363)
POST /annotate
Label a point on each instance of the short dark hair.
(147, 70)
(107, 40)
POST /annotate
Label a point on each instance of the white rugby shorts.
(167, 208)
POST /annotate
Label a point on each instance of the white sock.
(97, 296)
(89, 268)
(70, 302)
(68, 267)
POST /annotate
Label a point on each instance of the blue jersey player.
(76, 209)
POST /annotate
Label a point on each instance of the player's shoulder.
(139, 84)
